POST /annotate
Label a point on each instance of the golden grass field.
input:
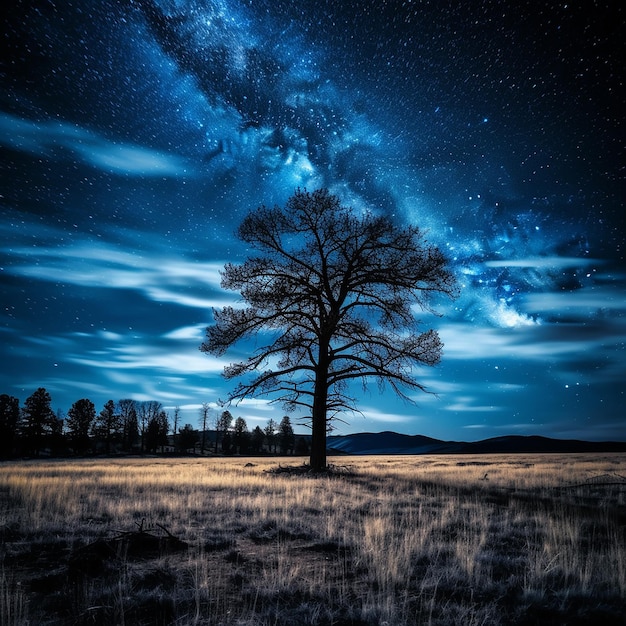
(394, 541)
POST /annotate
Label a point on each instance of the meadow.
(395, 541)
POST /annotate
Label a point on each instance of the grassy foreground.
(389, 541)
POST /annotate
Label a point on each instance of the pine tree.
(241, 436)
(108, 426)
(80, 419)
(270, 435)
(38, 421)
(286, 438)
(9, 420)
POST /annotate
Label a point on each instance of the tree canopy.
(331, 296)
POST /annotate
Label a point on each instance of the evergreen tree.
(9, 420)
(130, 423)
(164, 428)
(187, 438)
(57, 440)
(241, 436)
(222, 427)
(38, 421)
(80, 419)
(256, 439)
(108, 426)
(227, 443)
(156, 432)
(270, 435)
(286, 438)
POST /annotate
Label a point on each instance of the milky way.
(135, 135)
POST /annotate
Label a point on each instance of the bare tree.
(147, 411)
(176, 419)
(204, 416)
(334, 292)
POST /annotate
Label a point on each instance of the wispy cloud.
(176, 358)
(548, 343)
(547, 262)
(58, 140)
(168, 367)
(374, 414)
(194, 332)
(519, 427)
(590, 300)
(101, 265)
(257, 404)
(464, 404)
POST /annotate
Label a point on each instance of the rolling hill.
(388, 442)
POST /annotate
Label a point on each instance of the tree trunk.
(318, 419)
(318, 440)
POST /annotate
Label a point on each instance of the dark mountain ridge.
(388, 442)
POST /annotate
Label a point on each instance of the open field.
(392, 540)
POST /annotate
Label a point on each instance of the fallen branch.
(604, 480)
(306, 470)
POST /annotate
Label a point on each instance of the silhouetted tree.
(57, 441)
(156, 432)
(286, 438)
(204, 416)
(257, 439)
(9, 419)
(336, 290)
(130, 423)
(227, 443)
(38, 421)
(222, 426)
(146, 411)
(176, 418)
(108, 426)
(164, 428)
(270, 435)
(187, 438)
(241, 436)
(79, 420)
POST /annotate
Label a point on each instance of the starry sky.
(136, 134)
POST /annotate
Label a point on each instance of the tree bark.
(318, 439)
(318, 419)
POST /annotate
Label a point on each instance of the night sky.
(135, 136)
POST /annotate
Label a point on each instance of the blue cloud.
(56, 140)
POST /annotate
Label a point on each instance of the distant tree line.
(131, 427)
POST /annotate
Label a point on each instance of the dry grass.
(397, 541)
